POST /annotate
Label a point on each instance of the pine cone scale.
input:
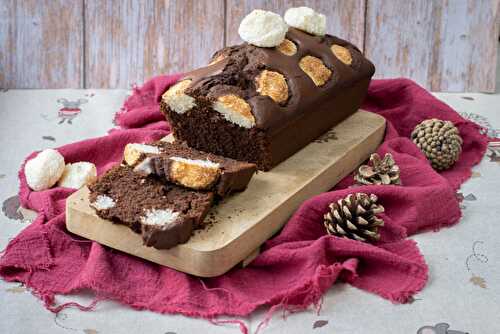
(347, 212)
(360, 210)
(385, 179)
(362, 221)
(351, 226)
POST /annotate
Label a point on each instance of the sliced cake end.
(190, 168)
(164, 214)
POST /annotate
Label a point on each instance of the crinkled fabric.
(296, 267)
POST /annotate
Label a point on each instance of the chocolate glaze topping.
(226, 77)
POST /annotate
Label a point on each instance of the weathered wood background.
(445, 45)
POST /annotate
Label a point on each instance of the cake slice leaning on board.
(164, 214)
(263, 104)
(190, 168)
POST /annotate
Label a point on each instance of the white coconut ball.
(263, 28)
(43, 171)
(306, 19)
(77, 175)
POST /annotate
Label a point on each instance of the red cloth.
(296, 267)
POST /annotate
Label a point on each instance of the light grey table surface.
(464, 261)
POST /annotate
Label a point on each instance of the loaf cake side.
(164, 214)
(250, 99)
(177, 163)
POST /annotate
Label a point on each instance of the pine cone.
(354, 217)
(378, 171)
(440, 141)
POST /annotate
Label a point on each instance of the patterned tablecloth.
(463, 291)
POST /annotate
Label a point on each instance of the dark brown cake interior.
(134, 194)
(220, 137)
(182, 150)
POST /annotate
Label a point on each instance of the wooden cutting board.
(241, 223)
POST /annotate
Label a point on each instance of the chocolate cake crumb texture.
(165, 214)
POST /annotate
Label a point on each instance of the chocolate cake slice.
(164, 214)
(190, 168)
(263, 104)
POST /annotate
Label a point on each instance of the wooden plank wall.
(445, 45)
(41, 43)
(129, 41)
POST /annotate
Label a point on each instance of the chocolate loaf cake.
(262, 104)
(164, 214)
(190, 168)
